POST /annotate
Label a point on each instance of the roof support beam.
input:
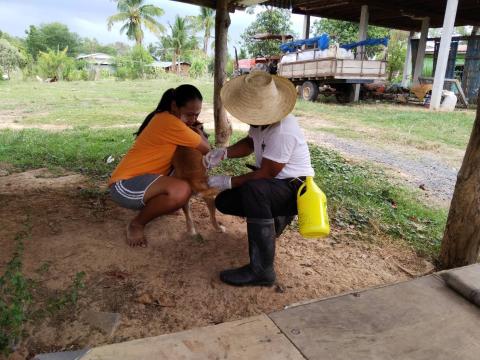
(306, 26)
(422, 45)
(407, 67)
(442, 60)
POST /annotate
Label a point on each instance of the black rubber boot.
(261, 248)
(281, 222)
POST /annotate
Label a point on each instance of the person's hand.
(220, 182)
(214, 157)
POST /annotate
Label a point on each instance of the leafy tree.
(10, 57)
(89, 46)
(205, 22)
(242, 54)
(19, 43)
(134, 65)
(52, 36)
(397, 50)
(121, 48)
(135, 14)
(344, 32)
(180, 40)
(199, 65)
(55, 64)
(272, 20)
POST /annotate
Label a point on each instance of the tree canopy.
(54, 36)
(135, 14)
(271, 20)
(10, 57)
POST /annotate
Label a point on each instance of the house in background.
(167, 66)
(98, 62)
(459, 62)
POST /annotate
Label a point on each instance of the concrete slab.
(465, 281)
(252, 338)
(416, 320)
(66, 355)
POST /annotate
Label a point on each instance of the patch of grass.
(399, 122)
(361, 196)
(14, 296)
(81, 150)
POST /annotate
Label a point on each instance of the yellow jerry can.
(312, 210)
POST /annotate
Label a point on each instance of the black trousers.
(261, 199)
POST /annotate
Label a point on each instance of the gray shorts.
(129, 193)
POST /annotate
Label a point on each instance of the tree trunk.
(461, 240)
(174, 62)
(205, 43)
(223, 127)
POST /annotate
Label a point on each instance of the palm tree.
(180, 39)
(135, 14)
(207, 22)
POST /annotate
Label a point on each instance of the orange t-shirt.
(153, 149)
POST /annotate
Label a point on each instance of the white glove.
(220, 182)
(214, 157)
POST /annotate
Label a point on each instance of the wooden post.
(461, 240)
(223, 128)
(422, 46)
(442, 59)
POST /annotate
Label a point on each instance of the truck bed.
(334, 68)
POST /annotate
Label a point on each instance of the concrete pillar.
(407, 67)
(306, 26)
(422, 45)
(443, 52)
(362, 35)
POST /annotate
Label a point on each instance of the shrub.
(199, 67)
(55, 64)
(134, 65)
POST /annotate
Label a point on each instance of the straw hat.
(259, 98)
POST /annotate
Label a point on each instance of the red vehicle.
(244, 66)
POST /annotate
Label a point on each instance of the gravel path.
(426, 171)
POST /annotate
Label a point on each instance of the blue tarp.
(368, 42)
(322, 42)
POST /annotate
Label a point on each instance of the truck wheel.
(309, 91)
(345, 94)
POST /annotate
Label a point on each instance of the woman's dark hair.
(181, 95)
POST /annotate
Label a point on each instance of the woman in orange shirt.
(141, 180)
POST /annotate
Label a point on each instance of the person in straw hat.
(267, 195)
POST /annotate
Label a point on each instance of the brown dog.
(188, 166)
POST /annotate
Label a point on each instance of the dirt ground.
(172, 284)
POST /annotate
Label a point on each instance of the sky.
(88, 18)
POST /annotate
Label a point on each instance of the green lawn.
(405, 125)
(110, 102)
(78, 103)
